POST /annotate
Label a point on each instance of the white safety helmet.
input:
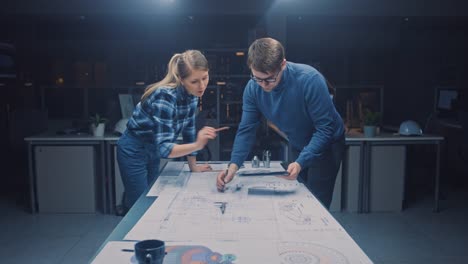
(410, 128)
(120, 126)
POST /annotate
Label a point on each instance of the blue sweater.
(300, 106)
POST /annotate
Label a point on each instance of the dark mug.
(150, 251)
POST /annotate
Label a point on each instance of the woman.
(167, 108)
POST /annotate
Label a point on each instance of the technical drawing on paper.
(185, 254)
(309, 253)
(188, 254)
(294, 210)
(168, 182)
(174, 216)
(192, 214)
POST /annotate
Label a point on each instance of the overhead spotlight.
(190, 19)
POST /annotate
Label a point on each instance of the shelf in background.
(229, 124)
(225, 50)
(231, 102)
(94, 86)
(227, 76)
(226, 150)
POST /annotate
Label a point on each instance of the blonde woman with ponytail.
(167, 109)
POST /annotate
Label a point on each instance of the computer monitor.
(446, 101)
(127, 105)
(7, 61)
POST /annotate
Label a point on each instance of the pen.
(221, 128)
(225, 175)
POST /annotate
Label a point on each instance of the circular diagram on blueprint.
(309, 253)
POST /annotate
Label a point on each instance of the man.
(295, 98)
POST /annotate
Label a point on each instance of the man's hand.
(293, 169)
(225, 176)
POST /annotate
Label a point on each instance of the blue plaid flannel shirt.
(165, 114)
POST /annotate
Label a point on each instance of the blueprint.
(258, 219)
(231, 252)
(176, 174)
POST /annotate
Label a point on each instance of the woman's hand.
(202, 168)
(205, 134)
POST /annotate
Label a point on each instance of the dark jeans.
(138, 164)
(320, 177)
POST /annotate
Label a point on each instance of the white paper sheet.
(283, 204)
(168, 182)
(231, 252)
(281, 215)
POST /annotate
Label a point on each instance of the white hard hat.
(120, 126)
(410, 128)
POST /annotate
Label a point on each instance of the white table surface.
(267, 220)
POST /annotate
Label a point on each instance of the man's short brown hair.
(265, 55)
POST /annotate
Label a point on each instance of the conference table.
(259, 218)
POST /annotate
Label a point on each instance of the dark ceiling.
(251, 7)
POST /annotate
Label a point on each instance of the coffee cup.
(150, 251)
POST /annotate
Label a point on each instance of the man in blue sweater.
(295, 98)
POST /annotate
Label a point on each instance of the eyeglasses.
(266, 80)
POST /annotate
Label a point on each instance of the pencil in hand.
(221, 128)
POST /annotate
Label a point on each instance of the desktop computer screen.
(446, 102)
(446, 99)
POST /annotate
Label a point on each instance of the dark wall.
(95, 54)
(409, 56)
(409, 47)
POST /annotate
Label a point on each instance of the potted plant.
(371, 122)
(98, 125)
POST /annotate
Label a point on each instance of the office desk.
(267, 220)
(366, 145)
(358, 163)
(85, 155)
(449, 123)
